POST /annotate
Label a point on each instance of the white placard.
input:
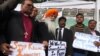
(85, 42)
(27, 49)
(57, 48)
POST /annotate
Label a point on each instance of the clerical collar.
(24, 13)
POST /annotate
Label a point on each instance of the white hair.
(51, 25)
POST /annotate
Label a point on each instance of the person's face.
(62, 23)
(34, 12)
(53, 17)
(79, 19)
(27, 6)
(92, 25)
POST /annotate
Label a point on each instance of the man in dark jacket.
(64, 34)
(19, 27)
(47, 27)
(6, 6)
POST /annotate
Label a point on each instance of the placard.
(57, 48)
(85, 42)
(27, 49)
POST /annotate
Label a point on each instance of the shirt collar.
(61, 28)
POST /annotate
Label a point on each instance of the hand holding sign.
(27, 49)
(85, 42)
(56, 48)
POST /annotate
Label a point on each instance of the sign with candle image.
(27, 49)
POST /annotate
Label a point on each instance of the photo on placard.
(62, 53)
(52, 53)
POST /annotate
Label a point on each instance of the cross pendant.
(26, 34)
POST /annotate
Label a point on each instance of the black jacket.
(68, 38)
(14, 28)
(5, 10)
(44, 33)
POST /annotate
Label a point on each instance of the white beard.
(51, 26)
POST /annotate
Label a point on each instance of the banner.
(57, 48)
(85, 42)
(27, 49)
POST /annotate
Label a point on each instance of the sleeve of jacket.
(43, 32)
(72, 29)
(2, 39)
(8, 5)
(36, 31)
(69, 47)
(5, 9)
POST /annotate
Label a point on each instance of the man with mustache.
(47, 27)
(79, 27)
(91, 26)
(64, 34)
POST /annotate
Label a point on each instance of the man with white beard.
(47, 27)
(51, 24)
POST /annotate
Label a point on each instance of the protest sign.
(85, 41)
(57, 48)
(27, 49)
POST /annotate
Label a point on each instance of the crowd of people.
(22, 26)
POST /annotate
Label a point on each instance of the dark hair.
(92, 20)
(80, 14)
(62, 18)
(23, 1)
